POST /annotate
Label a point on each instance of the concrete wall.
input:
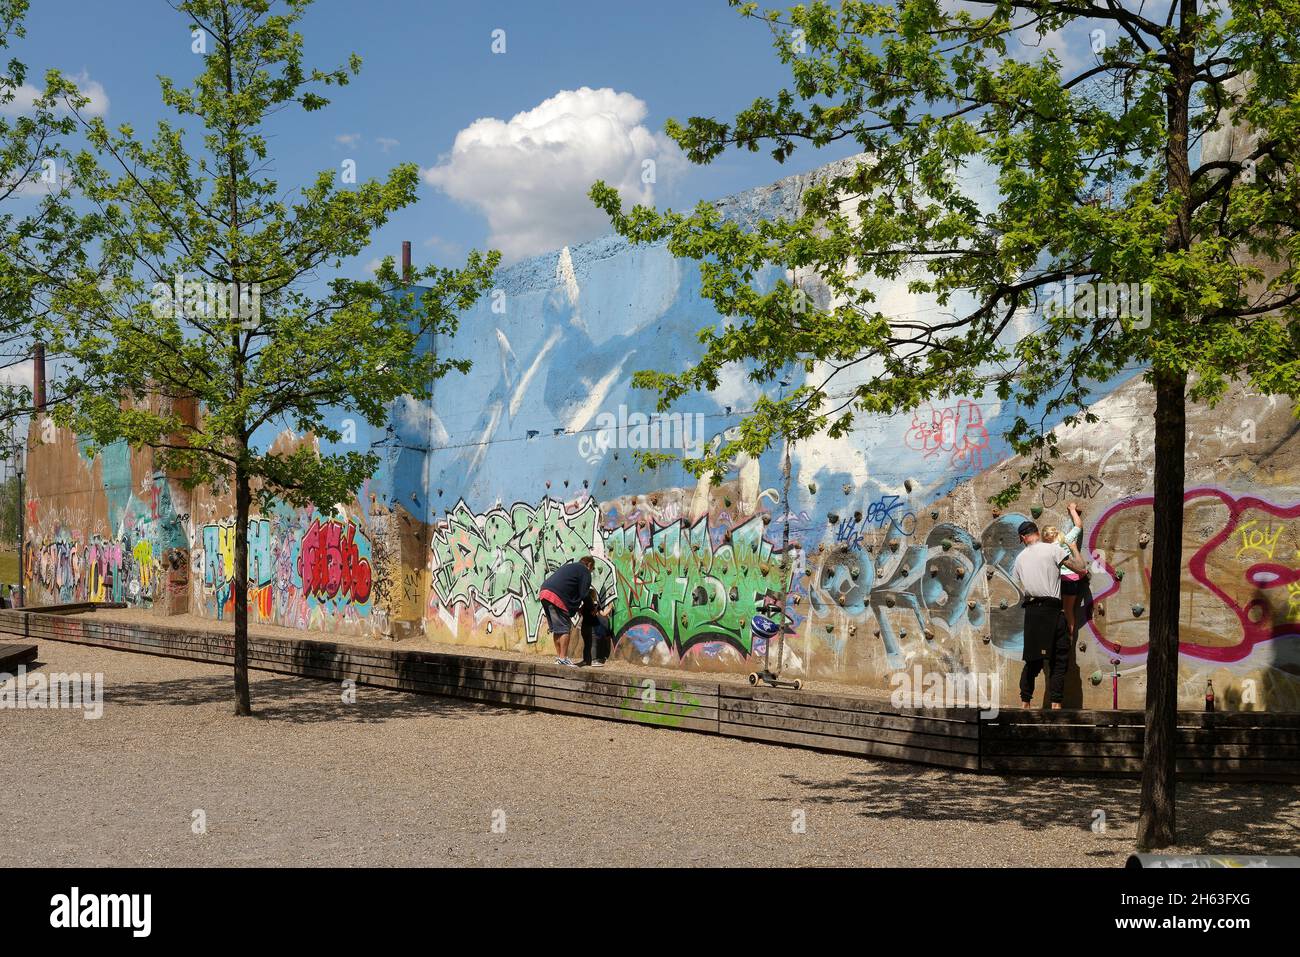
(892, 559)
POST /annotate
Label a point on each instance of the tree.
(204, 287)
(41, 240)
(1098, 177)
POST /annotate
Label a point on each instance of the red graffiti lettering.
(331, 565)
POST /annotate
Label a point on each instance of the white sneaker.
(598, 663)
(566, 662)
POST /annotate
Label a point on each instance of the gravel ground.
(401, 779)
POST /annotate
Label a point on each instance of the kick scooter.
(769, 625)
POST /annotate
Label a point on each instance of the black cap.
(1027, 528)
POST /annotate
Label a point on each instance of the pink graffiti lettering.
(1255, 599)
(957, 430)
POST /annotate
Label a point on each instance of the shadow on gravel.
(297, 700)
(1239, 818)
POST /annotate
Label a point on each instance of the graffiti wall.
(880, 545)
(108, 527)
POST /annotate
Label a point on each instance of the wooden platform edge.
(1057, 743)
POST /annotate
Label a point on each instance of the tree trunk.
(243, 705)
(1156, 818)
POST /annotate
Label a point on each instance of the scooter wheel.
(797, 684)
(753, 678)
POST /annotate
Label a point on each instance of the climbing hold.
(907, 484)
(847, 489)
(489, 627)
(970, 604)
(1083, 646)
(853, 629)
(812, 487)
(876, 632)
(946, 544)
(988, 573)
(767, 519)
(830, 629)
(548, 484)
(987, 639)
(1101, 610)
(832, 518)
(1003, 603)
(893, 545)
(1119, 574)
(726, 501)
(796, 599)
(584, 483)
(857, 517)
(929, 635)
(1144, 540)
(1095, 678)
(902, 634)
(807, 572)
(854, 573)
(439, 491)
(624, 478)
(1137, 610)
(906, 570)
(1036, 511)
(890, 601)
(934, 513)
(934, 570)
(976, 546)
(997, 512)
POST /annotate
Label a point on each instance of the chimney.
(406, 261)
(38, 376)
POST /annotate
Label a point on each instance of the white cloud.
(26, 94)
(19, 373)
(348, 139)
(529, 175)
(386, 143)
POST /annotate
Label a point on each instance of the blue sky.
(429, 72)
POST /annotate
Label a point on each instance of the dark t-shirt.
(570, 583)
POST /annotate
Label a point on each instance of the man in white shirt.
(1037, 571)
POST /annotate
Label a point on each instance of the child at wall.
(597, 636)
(1069, 579)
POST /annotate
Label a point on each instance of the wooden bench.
(13, 655)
